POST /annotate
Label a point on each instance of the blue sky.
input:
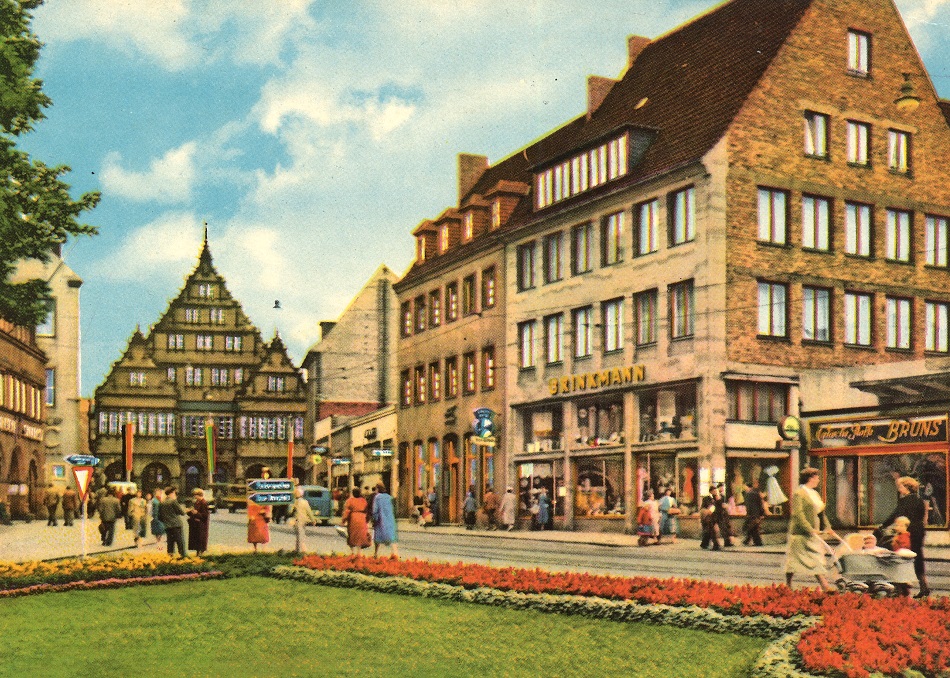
(311, 135)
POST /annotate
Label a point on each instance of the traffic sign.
(339, 461)
(267, 485)
(82, 460)
(83, 475)
(382, 453)
(272, 498)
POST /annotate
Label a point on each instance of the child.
(901, 538)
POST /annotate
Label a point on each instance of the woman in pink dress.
(258, 529)
(354, 517)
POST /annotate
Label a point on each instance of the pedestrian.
(722, 515)
(509, 504)
(170, 513)
(434, 507)
(109, 511)
(708, 522)
(470, 509)
(302, 515)
(544, 509)
(70, 506)
(199, 521)
(490, 505)
(418, 503)
(124, 499)
(384, 522)
(910, 504)
(669, 510)
(258, 524)
(756, 509)
(157, 526)
(51, 502)
(805, 553)
(138, 511)
(354, 517)
(369, 508)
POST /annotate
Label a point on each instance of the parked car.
(320, 500)
(231, 496)
(125, 486)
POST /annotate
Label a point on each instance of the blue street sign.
(272, 498)
(82, 460)
(382, 453)
(267, 485)
(339, 461)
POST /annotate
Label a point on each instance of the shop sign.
(382, 453)
(484, 442)
(8, 424)
(32, 432)
(618, 376)
(877, 432)
(790, 428)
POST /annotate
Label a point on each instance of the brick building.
(203, 362)
(750, 221)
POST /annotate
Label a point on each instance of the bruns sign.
(875, 432)
(618, 376)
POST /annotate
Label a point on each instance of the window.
(526, 344)
(581, 237)
(859, 53)
(936, 230)
(443, 239)
(192, 375)
(773, 215)
(451, 302)
(50, 399)
(192, 315)
(435, 308)
(435, 382)
(898, 151)
(238, 375)
(857, 229)
(554, 338)
(468, 226)
(206, 291)
(773, 312)
(219, 376)
(232, 343)
(488, 287)
(471, 373)
(937, 314)
(611, 239)
(816, 214)
(898, 323)
(204, 342)
(816, 314)
(648, 219)
(495, 214)
(757, 402)
(405, 378)
(816, 134)
(552, 257)
(451, 377)
(681, 309)
(468, 295)
(488, 368)
(420, 313)
(421, 248)
(645, 307)
(683, 216)
(47, 328)
(406, 313)
(859, 142)
(216, 315)
(419, 379)
(582, 172)
(857, 319)
(171, 375)
(612, 313)
(526, 266)
(897, 237)
(276, 384)
(176, 342)
(583, 320)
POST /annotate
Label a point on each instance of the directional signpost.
(83, 466)
(267, 491)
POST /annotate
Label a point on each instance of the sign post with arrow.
(267, 491)
(83, 467)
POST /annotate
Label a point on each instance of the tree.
(37, 213)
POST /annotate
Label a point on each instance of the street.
(566, 551)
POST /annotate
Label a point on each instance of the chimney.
(635, 45)
(471, 168)
(597, 89)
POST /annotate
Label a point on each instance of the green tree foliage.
(37, 213)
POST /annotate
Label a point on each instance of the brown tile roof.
(345, 408)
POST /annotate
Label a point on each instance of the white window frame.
(683, 216)
(554, 338)
(899, 311)
(858, 318)
(816, 134)
(648, 227)
(897, 235)
(583, 321)
(816, 314)
(937, 315)
(859, 53)
(936, 230)
(898, 150)
(859, 143)
(773, 309)
(612, 314)
(773, 216)
(816, 222)
(526, 344)
(612, 239)
(857, 229)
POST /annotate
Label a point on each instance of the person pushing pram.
(883, 571)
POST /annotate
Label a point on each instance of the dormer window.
(582, 172)
(443, 239)
(468, 226)
(421, 248)
(496, 214)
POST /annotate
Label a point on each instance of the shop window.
(534, 476)
(600, 486)
(757, 402)
(657, 472)
(667, 414)
(772, 476)
(543, 429)
(878, 493)
(600, 423)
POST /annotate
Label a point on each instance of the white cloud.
(168, 179)
(919, 12)
(156, 250)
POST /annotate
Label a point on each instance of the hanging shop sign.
(591, 381)
(790, 428)
(878, 432)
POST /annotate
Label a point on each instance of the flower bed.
(127, 565)
(110, 583)
(857, 635)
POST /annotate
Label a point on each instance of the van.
(320, 500)
(231, 496)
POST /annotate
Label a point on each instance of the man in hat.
(509, 504)
(51, 502)
(722, 515)
(490, 505)
(70, 505)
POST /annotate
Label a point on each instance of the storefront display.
(770, 473)
(599, 491)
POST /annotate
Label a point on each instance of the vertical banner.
(128, 441)
(212, 448)
(290, 454)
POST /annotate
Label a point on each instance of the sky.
(311, 136)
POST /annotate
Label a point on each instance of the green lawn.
(255, 626)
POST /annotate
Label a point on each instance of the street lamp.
(908, 101)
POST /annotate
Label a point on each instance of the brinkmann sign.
(878, 432)
(618, 376)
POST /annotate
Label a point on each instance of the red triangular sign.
(83, 475)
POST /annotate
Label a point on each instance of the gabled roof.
(944, 108)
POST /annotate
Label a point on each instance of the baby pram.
(877, 571)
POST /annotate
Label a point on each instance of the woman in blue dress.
(669, 524)
(157, 526)
(384, 521)
(544, 509)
